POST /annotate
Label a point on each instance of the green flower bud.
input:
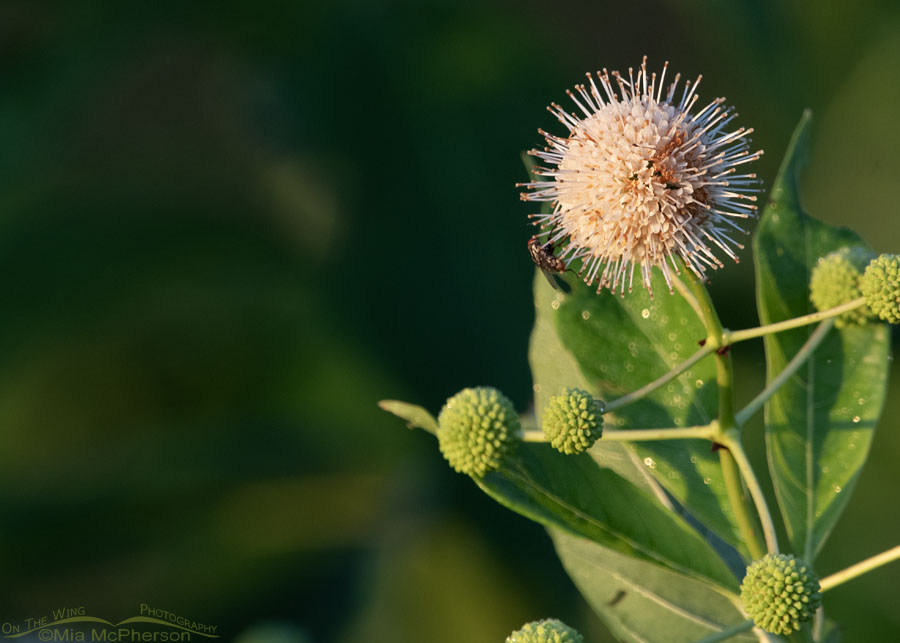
(476, 429)
(573, 421)
(880, 285)
(546, 631)
(835, 281)
(779, 593)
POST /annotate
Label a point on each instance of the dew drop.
(672, 336)
(650, 462)
(698, 383)
(861, 401)
(629, 367)
(855, 419)
(554, 304)
(826, 469)
(679, 421)
(837, 488)
(693, 459)
(707, 480)
(645, 313)
(537, 388)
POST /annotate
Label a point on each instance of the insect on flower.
(551, 265)
(642, 179)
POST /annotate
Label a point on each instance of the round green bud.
(779, 593)
(546, 631)
(835, 281)
(880, 285)
(476, 429)
(572, 421)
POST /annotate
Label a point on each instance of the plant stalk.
(732, 337)
(885, 557)
(729, 433)
(702, 432)
(660, 381)
(705, 432)
(789, 369)
(741, 504)
(732, 441)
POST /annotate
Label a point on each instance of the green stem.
(729, 434)
(732, 337)
(705, 432)
(885, 557)
(740, 504)
(728, 633)
(685, 292)
(532, 435)
(733, 442)
(660, 381)
(790, 368)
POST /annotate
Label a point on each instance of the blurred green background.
(227, 229)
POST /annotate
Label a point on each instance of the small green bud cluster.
(546, 631)
(476, 428)
(836, 280)
(779, 593)
(880, 285)
(572, 421)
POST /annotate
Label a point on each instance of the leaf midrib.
(528, 481)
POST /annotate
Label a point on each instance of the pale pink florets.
(643, 178)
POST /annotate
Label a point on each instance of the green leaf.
(554, 368)
(416, 417)
(819, 425)
(573, 493)
(619, 344)
(642, 602)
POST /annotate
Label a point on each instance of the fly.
(551, 265)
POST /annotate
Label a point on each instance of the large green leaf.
(819, 425)
(573, 493)
(614, 345)
(642, 602)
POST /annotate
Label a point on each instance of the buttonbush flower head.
(546, 631)
(880, 285)
(642, 177)
(835, 281)
(779, 593)
(476, 428)
(572, 421)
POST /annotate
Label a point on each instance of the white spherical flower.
(643, 178)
